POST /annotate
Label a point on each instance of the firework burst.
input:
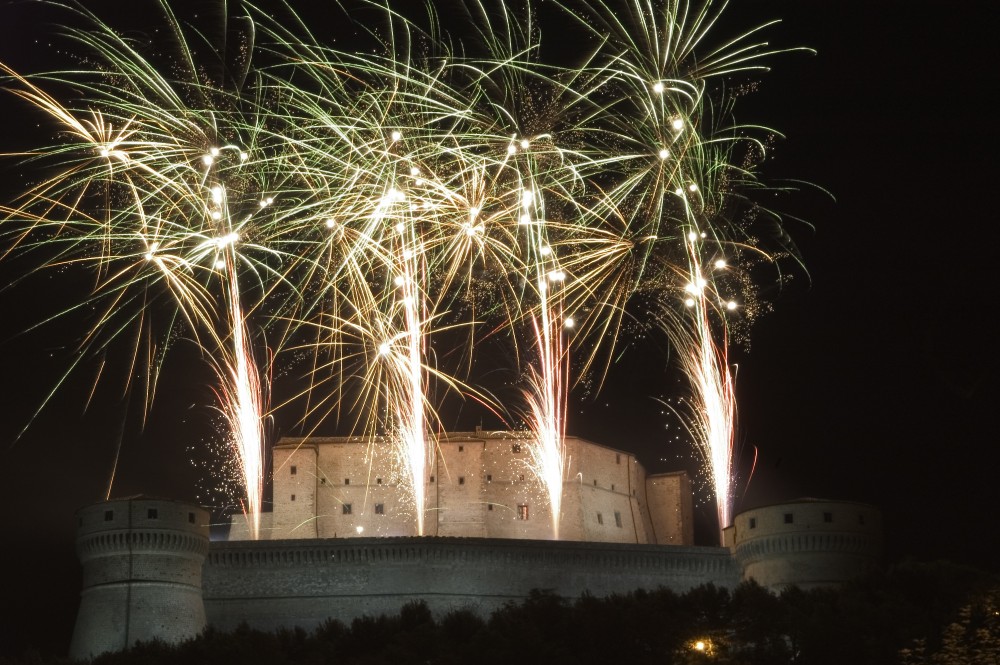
(377, 211)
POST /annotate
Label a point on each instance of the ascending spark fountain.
(712, 403)
(241, 402)
(315, 145)
(546, 394)
(410, 411)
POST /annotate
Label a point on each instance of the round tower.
(807, 543)
(142, 561)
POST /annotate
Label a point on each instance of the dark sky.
(872, 380)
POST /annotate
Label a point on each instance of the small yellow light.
(658, 87)
(396, 135)
(677, 124)
(664, 153)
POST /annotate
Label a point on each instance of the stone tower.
(142, 563)
(807, 543)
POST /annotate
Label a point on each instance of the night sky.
(871, 380)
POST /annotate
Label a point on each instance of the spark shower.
(284, 201)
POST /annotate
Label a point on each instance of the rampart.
(142, 570)
(272, 584)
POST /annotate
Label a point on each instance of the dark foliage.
(916, 613)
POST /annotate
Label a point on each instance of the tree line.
(913, 614)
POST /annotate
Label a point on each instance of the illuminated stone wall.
(478, 484)
(303, 583)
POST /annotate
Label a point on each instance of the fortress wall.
(477, 485)
(297, 583)
(509, 484)
(458, 490)
(142, 572)
(670, 508)
(807, 543)
(295, 486)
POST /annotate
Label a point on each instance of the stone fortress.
(341, 541)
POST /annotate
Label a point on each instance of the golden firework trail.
(376, 212)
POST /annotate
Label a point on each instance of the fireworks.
(365, 208)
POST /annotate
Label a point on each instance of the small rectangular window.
(600, 518)
(346, 509)
(515, 448)
(489, 506)
(191, 518)
(380, 509)
(378, 481)
(521, 477)
(753, 522)
(618, 519)
(461, 448)
(827, 517)
(612, 487)
(788, 518)
(295, 469)
(461, 480)
(522, 511)
(595, 482)
(152, 514)
(432, 479)
(489, 478)
(618, 458)
(347, 481)
(322, 481)
(293, 497)
(109, 515)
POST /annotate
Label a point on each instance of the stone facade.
(478, 485)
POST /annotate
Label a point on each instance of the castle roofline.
(450, 437)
